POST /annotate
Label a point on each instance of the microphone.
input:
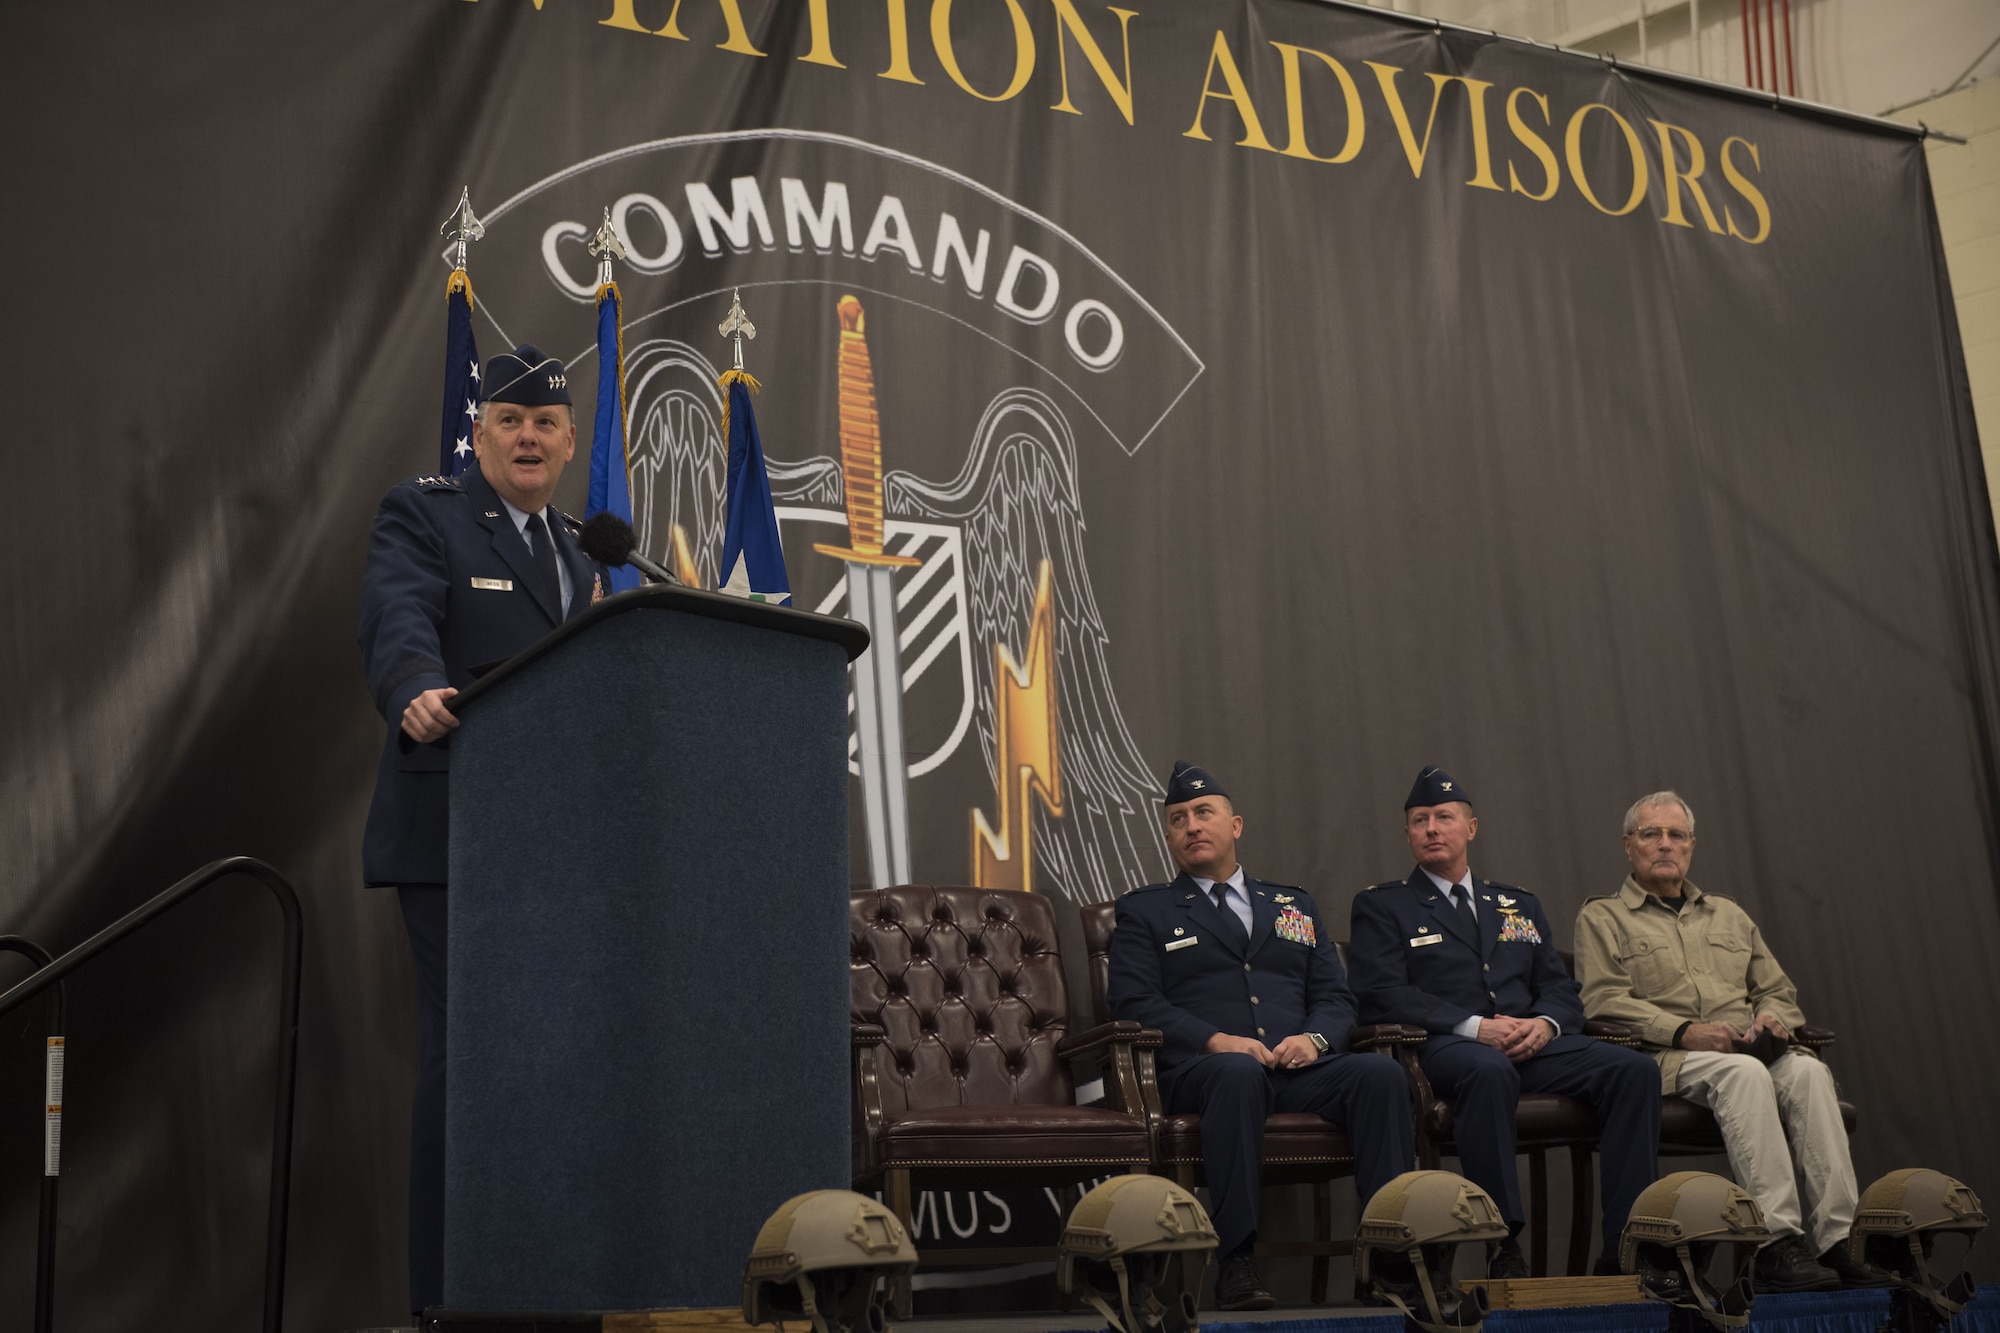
(609, 540)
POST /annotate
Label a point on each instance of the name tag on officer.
(1418, 941)
(494, 585)
(1182, 944)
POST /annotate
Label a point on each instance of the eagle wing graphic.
(680, 460)
(678, 457)
(1017, 504)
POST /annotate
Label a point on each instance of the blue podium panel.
(648, 1047)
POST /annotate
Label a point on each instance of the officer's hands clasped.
(1515, 1038)
(1294, 1052)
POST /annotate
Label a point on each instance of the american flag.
(461, 378)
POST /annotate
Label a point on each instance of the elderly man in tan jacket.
(1691, 972)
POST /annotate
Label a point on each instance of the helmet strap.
(1118, 1318)
(1435, 1324)
(811, 1303)
(1926, 1285)
(1711, 1307)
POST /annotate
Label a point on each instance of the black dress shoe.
(1853, 1274)
(1787, 1265)
(1237, 1286)
(1504, 1262)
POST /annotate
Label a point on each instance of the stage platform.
(1812, 1312)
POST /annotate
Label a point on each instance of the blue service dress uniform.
(450, 585)
(1418, 959)
(1177, 967)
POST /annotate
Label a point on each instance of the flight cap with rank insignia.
(1434, 786)
(526, 377)
(1189, 783)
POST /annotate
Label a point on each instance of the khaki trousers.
(1787, 1145)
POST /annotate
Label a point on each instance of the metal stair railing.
(51, 974)
(52, 1078)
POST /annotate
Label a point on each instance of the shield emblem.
(935, 648)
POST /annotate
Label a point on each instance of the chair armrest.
(1615, 1034)
(1131, 1083)
(870, 1045)
(1384, 1038)
(1124, 1031)
(1813, 1037)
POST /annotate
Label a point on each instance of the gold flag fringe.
(459, 282)
(727, 378)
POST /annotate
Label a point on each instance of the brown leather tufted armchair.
(1298, 1149)
(960, 1021)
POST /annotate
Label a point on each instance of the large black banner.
(1279, 385)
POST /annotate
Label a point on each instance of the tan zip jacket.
(1641, 963)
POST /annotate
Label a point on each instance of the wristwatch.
(1319, 1042)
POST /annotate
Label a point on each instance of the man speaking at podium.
(462, 572)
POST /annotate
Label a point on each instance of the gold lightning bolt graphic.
(1027, 754)
(860, 448)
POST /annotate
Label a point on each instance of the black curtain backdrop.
(1435, 453)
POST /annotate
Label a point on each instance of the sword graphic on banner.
(871, 599)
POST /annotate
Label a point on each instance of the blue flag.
(753, 563)
(610, 485)
(461, 378)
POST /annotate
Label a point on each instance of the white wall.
(1863, 55)
(1965, 181)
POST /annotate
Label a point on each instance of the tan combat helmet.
(1122, 1240)
(1410, 1233)
(1898, 1222)
(1671, 1237)
(825, 1256)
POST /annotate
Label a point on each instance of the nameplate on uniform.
(1182, 944)
(494, 585)
(1418, 941)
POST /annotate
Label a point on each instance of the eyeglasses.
(1679, 837)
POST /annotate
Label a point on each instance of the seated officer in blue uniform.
(462, 572)
(1242, 982)
(1474, 963)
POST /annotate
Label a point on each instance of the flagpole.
(461, 227)
(606, 246)
(752, 563)
(610, 477)
(461, 351)
(737, 324)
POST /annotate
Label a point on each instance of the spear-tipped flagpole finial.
(462, 227)
(606, 246)
(737, 324)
